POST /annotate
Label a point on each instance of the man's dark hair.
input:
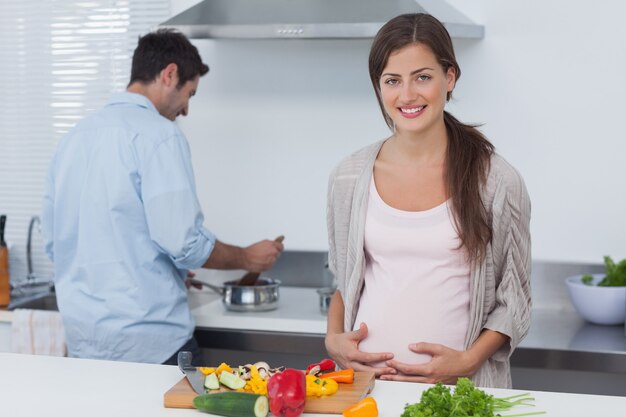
(156, 50)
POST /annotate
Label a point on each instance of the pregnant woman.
(428, 229)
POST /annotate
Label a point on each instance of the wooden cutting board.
(181, 395)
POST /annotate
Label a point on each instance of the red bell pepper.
(287, 393)
(323, 366)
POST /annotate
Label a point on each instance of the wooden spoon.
(251, 277)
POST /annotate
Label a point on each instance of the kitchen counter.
(563, 340)
(50, 386)
(6, 316)
(298, 312)
(556, 340)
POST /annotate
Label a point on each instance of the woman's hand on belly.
(344, 349)
(446, 366)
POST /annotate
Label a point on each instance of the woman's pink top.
(416, 281)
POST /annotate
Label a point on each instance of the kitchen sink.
(45, 301)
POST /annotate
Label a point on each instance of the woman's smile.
(411, 112)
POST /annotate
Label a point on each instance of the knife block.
(5, 288)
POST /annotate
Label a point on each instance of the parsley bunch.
(615, 274)
(465, 401)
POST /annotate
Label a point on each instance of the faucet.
(30, 283)
(29, 260)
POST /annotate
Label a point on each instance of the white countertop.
(6, 316)
(298, 312)
(33, 386)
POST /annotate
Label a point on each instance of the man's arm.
(257, 257)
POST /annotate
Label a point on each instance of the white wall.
(272, 118)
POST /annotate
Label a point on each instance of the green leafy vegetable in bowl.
(466, 400)
(615, 274)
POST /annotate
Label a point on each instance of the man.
(121, 219)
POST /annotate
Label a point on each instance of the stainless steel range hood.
(338, 19)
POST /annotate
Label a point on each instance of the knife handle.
(184, 361)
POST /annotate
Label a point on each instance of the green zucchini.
(232, 381)
(233, 404)
(211, 382)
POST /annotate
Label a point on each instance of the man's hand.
(344, 349)
(188, 284)
(261, 256)
(257, 257)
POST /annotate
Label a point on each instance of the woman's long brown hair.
(468, 152)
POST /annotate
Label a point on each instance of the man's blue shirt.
(122, 223)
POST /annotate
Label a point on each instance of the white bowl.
(599, 305)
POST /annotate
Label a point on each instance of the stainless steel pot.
(263, 296)
(326, 294)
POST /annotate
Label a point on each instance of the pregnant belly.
(394, 324)
(395, 336)
(383, 340)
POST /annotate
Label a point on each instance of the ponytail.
(468, 159)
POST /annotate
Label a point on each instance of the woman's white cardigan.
(500, 297)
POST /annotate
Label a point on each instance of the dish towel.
(38, 332)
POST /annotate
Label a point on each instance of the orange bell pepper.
(205, 370)
(345, 376)
(367, 407)
(223, 368)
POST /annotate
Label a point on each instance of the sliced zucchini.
(211, 381)
(232, 381)
(233, 404)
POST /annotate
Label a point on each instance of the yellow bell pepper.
(317, 386)
(256, 384)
